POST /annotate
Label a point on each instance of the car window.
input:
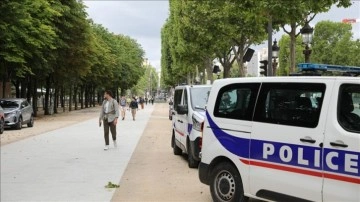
(199, 97)
(8, 104)
(349, 107)
(295, 104)
(236, 101)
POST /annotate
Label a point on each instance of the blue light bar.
(326, 67)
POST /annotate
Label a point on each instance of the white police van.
(283, 139)
(187, 120)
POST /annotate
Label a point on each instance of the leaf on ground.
(111, 185)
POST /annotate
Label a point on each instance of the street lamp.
(275, 54)
(307, 35)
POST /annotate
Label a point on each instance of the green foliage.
(333, 44)
(51, 43)
(283, 68)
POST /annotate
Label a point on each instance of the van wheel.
(31, 122)
(226, 184)
(191, 161)
(19, 124)
(176, 149)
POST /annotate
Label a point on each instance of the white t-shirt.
(106, 107)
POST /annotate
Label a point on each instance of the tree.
(284, 66)
(333, 44)
(296, 13)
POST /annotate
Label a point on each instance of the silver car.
(17, 112)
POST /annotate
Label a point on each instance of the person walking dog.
(109, 115)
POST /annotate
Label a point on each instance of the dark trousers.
(112, 127)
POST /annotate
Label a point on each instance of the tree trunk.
(70, 98)
(87, 96)
(17, 88)
(56, 99)
(34, 96)
(208, 69)
(81, 96)
(292, 48)
(47, 95)
(75, 97)
(240, 62)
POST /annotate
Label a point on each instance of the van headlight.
(197, 125)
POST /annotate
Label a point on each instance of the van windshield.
(199, 97)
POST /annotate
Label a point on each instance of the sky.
(143, 20)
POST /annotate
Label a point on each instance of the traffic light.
(263, 66)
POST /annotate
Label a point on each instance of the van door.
(342, 144)
(286, 141)
(178, 97)
(185, 123)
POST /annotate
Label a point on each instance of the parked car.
(17, 112)
(2, 120)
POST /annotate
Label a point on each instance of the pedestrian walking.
(123, 107)
(141, 101)
(152, 100)
(146, 100)
(109, 115)
(134, 107)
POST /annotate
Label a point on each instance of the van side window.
(177, 98)
(185, 97)
(236, 101)
(349, 107)
(295, 104)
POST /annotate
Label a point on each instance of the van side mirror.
(182, 109)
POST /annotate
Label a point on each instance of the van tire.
(192, 163)
(176, 149)
(226, 184)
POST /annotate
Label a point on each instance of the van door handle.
(338, 143)
(180, 121)
(307, 139)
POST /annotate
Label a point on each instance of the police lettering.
(333, 160)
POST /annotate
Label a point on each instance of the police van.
(283, 138)
(187, 120)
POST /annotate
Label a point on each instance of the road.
(69, 164)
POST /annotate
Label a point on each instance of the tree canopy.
(53, 44)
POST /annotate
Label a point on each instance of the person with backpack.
(134, 107)
(123, 107)
(109, 115)
(141, 101)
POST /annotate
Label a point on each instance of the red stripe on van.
(301, 171)
(180, 133)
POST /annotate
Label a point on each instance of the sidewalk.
(69, 164)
